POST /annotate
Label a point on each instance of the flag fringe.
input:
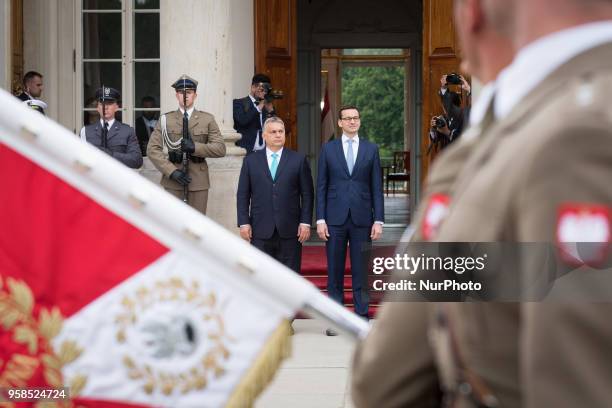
(263, 369)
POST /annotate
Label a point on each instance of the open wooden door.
(16, 46)
(440, 56)
(276, 56)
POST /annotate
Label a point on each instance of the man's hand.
(180, 177)
(443, 83)
(303, 233)
(433, 122)
(465, 85)
(246, 232)
(376, 231)
(260, 105)
(322, 231)
(187, 146)
(269, 106)
(444, 130)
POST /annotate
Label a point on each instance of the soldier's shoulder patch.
(435, 212)
(583, 233)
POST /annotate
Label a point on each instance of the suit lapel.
(283, 161)
(263, 160)
(114, 130)
(360, 155)
(340, 153)
(98, 131)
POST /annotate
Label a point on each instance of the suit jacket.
(282, 203)
(513, 188)
(208, 143)
(142, 133)
(121, 141)
(339, 192)
(247, 123)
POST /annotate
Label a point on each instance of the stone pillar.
(197, 39)
(5, 45)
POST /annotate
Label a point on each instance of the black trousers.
(287, 251)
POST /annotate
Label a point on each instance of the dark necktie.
(105, 135)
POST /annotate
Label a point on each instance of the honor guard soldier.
(180, 144)
(109, 135)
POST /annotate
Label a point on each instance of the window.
(119, 47)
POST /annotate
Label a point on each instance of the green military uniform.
(208, 143)
(551, 152)
(395, 365)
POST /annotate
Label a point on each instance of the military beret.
(185, 82)
(107, 94)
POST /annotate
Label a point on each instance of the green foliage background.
(378, 92)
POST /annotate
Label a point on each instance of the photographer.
(466, 93)
(447, 128)
(252, 111)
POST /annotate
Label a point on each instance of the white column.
(48, 42)
(5, 45)
(197, 39)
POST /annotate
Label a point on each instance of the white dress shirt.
(189, 111)
(110, 123)
(345, 145)
(259, 142)
(540, 58)
(269, 154)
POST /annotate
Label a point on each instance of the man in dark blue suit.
(251, 112)
(275, 198)
(350, 207)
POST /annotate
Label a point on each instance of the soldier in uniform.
(395, 366)
(545, 161)
(109, 135)
(167, 146)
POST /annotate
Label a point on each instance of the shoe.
(331, 332)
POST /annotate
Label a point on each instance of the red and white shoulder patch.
(436, 211)
(583, 233)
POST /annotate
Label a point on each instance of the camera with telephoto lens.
(454, 79)
(440, 122)
(271, 93)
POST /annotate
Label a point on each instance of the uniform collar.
(481, 104)
(541, 58)
(189, 111)
(110, 123)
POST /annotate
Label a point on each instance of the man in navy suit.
(275, 198)
(350, 207)
(251, 112)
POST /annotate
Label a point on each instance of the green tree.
(378, 92)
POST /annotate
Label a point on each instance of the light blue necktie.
(350, 160)
(274, 165)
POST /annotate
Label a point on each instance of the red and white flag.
(113, 288)
(328, 126)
